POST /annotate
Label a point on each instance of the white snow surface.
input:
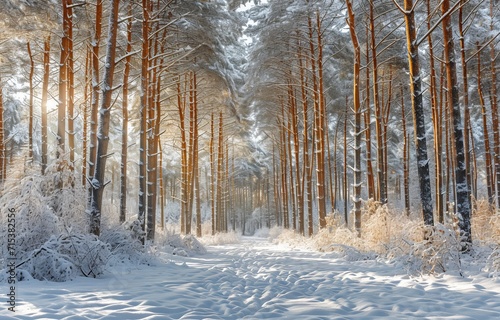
(257, 279)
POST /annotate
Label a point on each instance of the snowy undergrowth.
(52, 241)
(398, 239)
(231, 237)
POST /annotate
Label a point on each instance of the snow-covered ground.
(256, 279)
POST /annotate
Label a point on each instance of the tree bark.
(418, 114)
(45, 88)
(357, 121)
(143, 117)
(124, 149)
(98, 182)
(462, 188)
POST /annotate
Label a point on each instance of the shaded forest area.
(221, 115)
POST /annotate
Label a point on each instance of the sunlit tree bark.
(357, 120)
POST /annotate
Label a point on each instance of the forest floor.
(256, 279)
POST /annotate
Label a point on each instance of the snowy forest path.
(256, 279)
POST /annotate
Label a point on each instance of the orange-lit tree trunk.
(437, 121)
(321, 129)
(184, 165)
(212, 173)
(306, 181)
(357, 120)
(63, 78)
(382, 189)
(98, 182)
(70, 86)
(220, 174)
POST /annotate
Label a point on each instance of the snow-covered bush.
(66, 256)
(493, 263)
(51, 236)
(438, 252)
(181, 245)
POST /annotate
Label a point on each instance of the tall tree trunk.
(418, 114)
(95, 90)
(220, 173)
(71, 87)
(494, 104)
(45, 88)
(184, 164)
(462, 187)
(406, 160)
(98, 182)
(357, 121)
(437, 121)
(212, 173)
(143, 117)
(465, 84)
(322, 130)
(124, 153)
(368, 131)
(63, 78)
(30, 121)
(378, 113)
(306, 181)
(487, 152)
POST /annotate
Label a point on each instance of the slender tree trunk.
(465, 83)
(357, 121)
(220, 168)
(406, 160)
(368, 132)
(494, 105)
(378, 112)
(143, 117)
(487, 152)
(437, 121)
(306, 181)
(124, 153)
(322, 130)
(418, 114)
(85, 115)
(98, 182)
(30, 121)
(63, 78)
(212, 172)
(71, 87)
(462, 187)
(184, 165)
(95, 90)
(45, 88)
